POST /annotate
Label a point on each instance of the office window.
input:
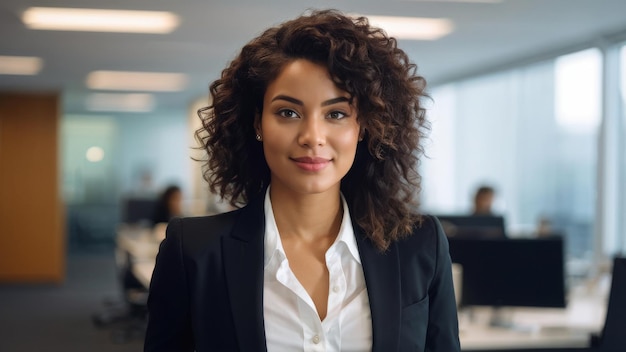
(610, 173)
(621, 229)
(578, 80)
(438, 165)
(578, 90)
(526, 132)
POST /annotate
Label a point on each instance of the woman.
(314, 128)
(168, 206)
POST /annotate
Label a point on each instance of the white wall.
(157, 144)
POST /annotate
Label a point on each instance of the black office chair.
(613, 337)
(128, 317)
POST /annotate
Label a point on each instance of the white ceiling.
(486, 35)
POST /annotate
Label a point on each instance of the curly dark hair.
(382, 186)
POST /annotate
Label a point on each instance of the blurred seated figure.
(544, 227)
(480, 223)
(483, 200)
(168, 206)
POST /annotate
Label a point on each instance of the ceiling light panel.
(97, 20)
(412, 28)
(461, 1)
(20, 65)
(133, 102)
(137, 81)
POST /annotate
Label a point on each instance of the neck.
(309, 217)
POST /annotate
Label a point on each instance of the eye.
(337, 115)
(288, 113)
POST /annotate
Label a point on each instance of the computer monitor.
(473, 226)
(510, 272)
(138, 210)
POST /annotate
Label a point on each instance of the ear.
(361, 134)
(257, 123)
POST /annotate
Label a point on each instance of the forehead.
(303, 77)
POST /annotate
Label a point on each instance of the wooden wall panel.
(32, 236)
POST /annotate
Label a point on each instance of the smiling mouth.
(311, 163)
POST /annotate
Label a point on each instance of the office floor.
(58, 318)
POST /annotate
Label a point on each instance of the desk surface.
(501, 339)
(570, 327)
(140, 243)
(143, 272)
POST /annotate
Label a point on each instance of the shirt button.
(335, 289)
(316, 339)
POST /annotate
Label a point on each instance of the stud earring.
(258, 137)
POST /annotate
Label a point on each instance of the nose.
(312, 132)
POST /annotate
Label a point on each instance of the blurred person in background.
(483, 201)
(169, 205)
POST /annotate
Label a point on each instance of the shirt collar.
(274, 247)
(346, 232)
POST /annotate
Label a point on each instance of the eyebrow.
(299, 102)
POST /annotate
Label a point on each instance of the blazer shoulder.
(427, 231)
(428, 223)
(431, 224)
(216, 223)
(196, 233)
(425, 243)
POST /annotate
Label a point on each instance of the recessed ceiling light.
(468, 1)
(412, 28)
(137, 81)
(20, 65)
(134, 102)
(97, 20)
(95, 154)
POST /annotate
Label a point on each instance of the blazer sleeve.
(443, 329)
(169, 322)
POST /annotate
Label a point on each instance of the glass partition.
(532, 134)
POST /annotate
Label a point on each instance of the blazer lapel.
(382, 278)
(243, 265)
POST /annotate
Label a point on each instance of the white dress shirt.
(291, 319)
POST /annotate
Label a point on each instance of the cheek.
(348, 140)
(274, 137)
(274, 144)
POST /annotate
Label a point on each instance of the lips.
(308, 163)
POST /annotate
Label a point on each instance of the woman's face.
(309, 129)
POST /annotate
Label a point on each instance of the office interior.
(527, 96)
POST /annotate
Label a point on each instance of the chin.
(313, 188)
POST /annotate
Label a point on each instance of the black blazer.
(206, 292)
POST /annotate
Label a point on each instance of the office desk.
(143, 272)
(140, 243)
(139, 248)
(571, 327)
(490, 339)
